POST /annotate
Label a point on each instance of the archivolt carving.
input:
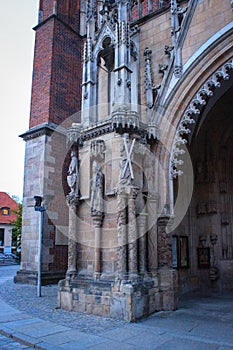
(194, 108)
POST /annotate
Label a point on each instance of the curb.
(19, 338)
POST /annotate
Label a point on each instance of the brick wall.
(67, 11)
(56, 92)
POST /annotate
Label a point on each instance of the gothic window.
(105, 79)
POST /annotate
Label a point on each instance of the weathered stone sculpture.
(97, 204)
(126, 170)
(72, 178)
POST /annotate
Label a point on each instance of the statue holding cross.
(126, 169)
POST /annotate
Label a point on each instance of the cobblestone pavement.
(24, 298)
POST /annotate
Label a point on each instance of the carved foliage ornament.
(149, 85)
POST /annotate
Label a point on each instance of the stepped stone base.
(123, 299)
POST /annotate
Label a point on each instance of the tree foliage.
(17, 230)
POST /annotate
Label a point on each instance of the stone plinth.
(129, 300)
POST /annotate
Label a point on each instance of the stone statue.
(97, 203)
(126, 171)
(72, 178)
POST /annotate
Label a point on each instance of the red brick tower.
(56, 95)
(56, 82)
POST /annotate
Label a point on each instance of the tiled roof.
(7, 202)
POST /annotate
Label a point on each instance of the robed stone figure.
(97, 203)
(72, 178)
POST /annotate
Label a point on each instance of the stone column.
(168, 276)
(122, 233)
(152, 204)
(72, 238)
(164, 242)
(142, 232)
(97, 221)
(132, 234)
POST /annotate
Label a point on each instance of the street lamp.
(39, 207)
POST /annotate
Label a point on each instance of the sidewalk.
(200, 323)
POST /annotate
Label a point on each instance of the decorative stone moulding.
(163, 68)
(225, 219)
(194, 109)
(168, 50)
(201, 209)
(211, 207)
(202, 240)
(149, 85)
(77, 134)
(207, 208)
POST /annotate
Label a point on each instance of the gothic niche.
(105, 76)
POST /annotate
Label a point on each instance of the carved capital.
(72, 200)
(73, 134)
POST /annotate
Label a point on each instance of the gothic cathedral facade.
(130, 148)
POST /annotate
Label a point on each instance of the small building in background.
(8, 206)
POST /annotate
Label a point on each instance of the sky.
(17, 18)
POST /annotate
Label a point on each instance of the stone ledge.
(30, 277)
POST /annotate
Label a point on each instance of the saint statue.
(126, 171)
(97, 203)
(72, 178)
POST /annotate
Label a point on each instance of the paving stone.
(83, 343)
(63, 337)
(184, 344)
(113, 345)
(7, 343)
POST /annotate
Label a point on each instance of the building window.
(1, 237)
(180, 256)
(5, 211)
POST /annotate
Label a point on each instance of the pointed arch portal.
(207, 228)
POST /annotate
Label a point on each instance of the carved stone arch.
(105, 32)
(193, 112)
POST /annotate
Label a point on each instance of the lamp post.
(39, 207)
